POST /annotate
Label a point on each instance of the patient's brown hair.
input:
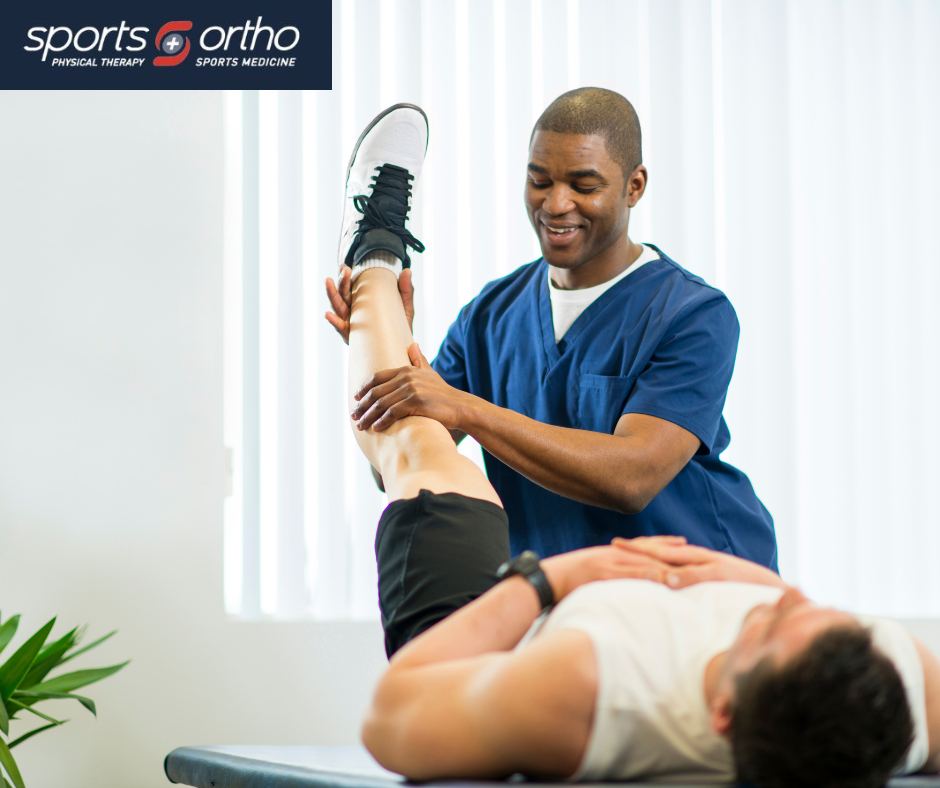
(834, 716)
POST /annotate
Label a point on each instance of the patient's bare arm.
(457, 701)
(497, 620)
(691, 564)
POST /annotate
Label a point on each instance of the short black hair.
(602, 112)
(834, 716)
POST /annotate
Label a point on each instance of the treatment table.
(264, 766)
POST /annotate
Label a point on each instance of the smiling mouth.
(560, 230)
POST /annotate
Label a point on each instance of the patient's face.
(781, 631)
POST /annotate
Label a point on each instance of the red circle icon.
(179, 57)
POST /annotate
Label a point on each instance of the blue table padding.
(269, 766)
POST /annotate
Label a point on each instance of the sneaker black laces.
(391, 182)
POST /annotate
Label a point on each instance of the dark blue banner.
(175, 45)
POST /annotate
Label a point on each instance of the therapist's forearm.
(610, 471)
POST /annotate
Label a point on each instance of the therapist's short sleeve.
(451, 360)
(686, 379)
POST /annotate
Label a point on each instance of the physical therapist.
(595, 377)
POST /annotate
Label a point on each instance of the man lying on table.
(654, 673)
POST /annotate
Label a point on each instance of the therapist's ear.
(636, 185)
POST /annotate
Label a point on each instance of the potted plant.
(25, 682)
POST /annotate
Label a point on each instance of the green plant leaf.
(88, 703)
(48, 658)
(33, 732)
(30, 709)
(89, 647)
(6, 758)
(4, 719)
(17, 666)
(75, 635)
(80, 678)
(8, 630)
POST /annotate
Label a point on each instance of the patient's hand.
(568, 571)
(689, 564)
(339, 294)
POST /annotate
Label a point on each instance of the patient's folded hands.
(689, 564)
(568, 571)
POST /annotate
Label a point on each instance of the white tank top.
(652, 645)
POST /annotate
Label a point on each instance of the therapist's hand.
(339, 294)
(418, 390)
(690, 564)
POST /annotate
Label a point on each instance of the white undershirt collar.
(567, 305)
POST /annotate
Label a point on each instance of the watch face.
(525, 562)
(522, 564)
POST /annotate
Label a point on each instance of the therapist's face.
(577, 203)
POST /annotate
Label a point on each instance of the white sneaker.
(384, 165)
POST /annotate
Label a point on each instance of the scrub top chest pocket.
(601, 399)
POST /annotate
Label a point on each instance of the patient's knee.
(416, 439)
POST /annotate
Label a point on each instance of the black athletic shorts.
(435, 553)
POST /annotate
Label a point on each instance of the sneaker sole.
(375, 120)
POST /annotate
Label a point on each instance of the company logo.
(171, 41)
(234, 46)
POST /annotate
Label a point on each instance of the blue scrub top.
(660, 342)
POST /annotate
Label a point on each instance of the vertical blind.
(793, 163)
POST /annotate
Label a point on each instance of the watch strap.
(538, 579)
(527, 565)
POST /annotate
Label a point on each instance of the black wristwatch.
(527, 565)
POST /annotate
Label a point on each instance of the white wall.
(111, 460)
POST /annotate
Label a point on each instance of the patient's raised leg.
(415, 453)
(444, 534)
